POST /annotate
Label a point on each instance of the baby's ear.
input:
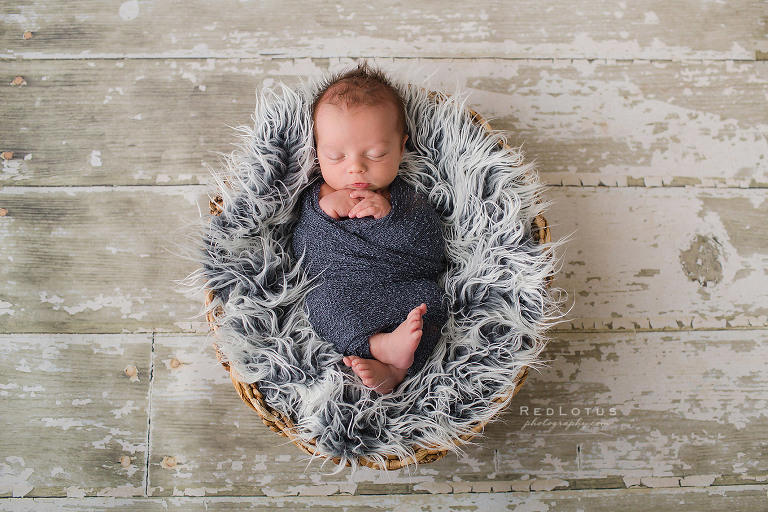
(402, 146)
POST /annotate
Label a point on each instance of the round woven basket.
(283, 424)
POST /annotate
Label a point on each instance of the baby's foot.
(376, 375)
(397, 347)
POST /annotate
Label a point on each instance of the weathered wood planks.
(150, 121)
(610, 411)
(97, 259)
(74, 410)
(741, 498)
(662, 258)
(101, 107)
(548, 29)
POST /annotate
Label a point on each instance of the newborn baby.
(375, 243)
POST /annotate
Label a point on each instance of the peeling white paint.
(698, 480)
(548, 484)
(650, 18)
(74, 491)
(200, 370)
(15, 482)
(142, 175)
(6, 308)
(95, 160)
(108, 97)
(102, 443)
(124, 303)
(62, 423)
(115, 250)
(129, 10)
(22, 366)
(54, 299)
(434, 487)
(125, 410)
(14, 170)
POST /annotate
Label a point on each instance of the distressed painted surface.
(690, 29)
(663, 258)
(74, 413)
(609, 411)
(122, 122)
(95, 259)
(638, 258)
(92, 104)
(99, 122)
(688, 407)
(747, 498)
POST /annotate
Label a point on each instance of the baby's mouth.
(360, 185)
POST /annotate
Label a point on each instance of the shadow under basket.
(284, 425)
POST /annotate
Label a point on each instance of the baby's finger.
(356, 207)
(371, 211)
(377, 212)
(355, 210)
(362, 193)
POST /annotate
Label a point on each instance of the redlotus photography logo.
(566, 418)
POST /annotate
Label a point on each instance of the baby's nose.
(356, 167)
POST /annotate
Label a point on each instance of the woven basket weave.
(283, 424)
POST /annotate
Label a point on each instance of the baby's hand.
(370, 204)
(338, 204)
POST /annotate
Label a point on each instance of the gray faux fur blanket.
(495, 280)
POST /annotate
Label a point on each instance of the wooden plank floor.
(649, 121)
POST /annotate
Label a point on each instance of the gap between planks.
(149, 412)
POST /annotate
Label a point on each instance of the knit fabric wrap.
(494, 280)
(372, 272)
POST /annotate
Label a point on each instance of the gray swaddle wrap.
(373, 272)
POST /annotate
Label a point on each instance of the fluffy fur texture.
(496, 280)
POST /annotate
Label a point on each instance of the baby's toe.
(416, 323)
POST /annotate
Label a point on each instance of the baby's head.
(359, 124)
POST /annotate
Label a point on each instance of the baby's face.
(358, 148)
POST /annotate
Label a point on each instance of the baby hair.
(364, 85)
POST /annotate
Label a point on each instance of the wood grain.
(74, 411)
(530, 29)
(128, 122)
(609, 411)
(662, 258)
(95, 259)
